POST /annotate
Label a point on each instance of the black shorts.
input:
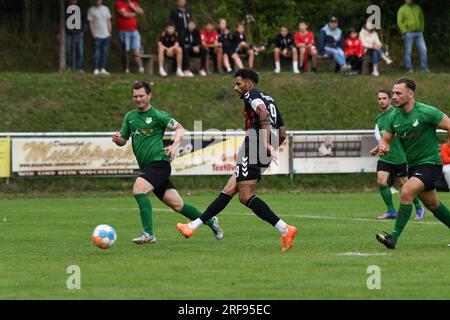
(251, 163)
(157, 173)
(396, 170)
(429, 174)
(228, 50)
(212, 52)
(243, 52)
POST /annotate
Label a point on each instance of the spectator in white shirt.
(99, 18)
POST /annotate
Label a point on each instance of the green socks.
(192, 213)
(403, 215)
(417, 203)
(442, 213)
(145, 208)
(386, 194)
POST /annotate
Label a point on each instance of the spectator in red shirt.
(354, 52)
(210, 40)
(445, 155)
(127, 25)
(304, 41)
(169, 46)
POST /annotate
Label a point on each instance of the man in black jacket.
(192, 47)
(285, 47)
(180, 17)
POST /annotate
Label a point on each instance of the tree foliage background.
(29, 28)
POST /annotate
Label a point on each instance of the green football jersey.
(396, 153)
(146, 130)
(417, 132)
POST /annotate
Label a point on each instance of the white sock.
(282, 227)
(195, 224)
(277, 65)
(179, 70)
(295, 65)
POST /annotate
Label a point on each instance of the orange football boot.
(185, 230)
(288, 240)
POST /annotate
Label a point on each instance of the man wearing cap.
(331, 43)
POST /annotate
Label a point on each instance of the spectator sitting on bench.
(193, 47)
(354, 52)
(242, 46)
(210, 40)
(168, 46)
(229, 50)
(284, 47)
(372, 44)
(304, 41)
(331, 44)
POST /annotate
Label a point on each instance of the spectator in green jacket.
(411, 24)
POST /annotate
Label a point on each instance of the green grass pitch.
(42, 237)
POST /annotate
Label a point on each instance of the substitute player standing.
(392, 165)
(146, 126)
(415, 123)
(264, 130)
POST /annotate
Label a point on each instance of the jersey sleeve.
(125, 130)
(280, 121)
(90, 15)
(253, 99)
(136, 4)
(269, 42)
(377, 133)
(433, 115)
(202, 35)
(108, 13)
(292, 44)
(164, 119)
(311, 38)
(389, 123)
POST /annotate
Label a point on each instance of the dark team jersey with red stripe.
(252, 99)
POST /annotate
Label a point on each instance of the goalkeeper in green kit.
(415, 124)
(146, 126)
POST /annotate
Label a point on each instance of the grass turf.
(65, 102)
(42, 237)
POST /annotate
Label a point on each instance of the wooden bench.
(367, 66)
(149, 61)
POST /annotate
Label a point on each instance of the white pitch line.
(360, 254)
(305, 216)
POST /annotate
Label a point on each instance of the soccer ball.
(104, 236)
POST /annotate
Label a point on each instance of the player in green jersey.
(146, 126)
(393, 165)
(415, 124)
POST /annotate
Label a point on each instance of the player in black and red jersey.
(265, 131)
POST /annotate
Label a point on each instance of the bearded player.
(264, 130)
(393, 165)
(415, 124)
